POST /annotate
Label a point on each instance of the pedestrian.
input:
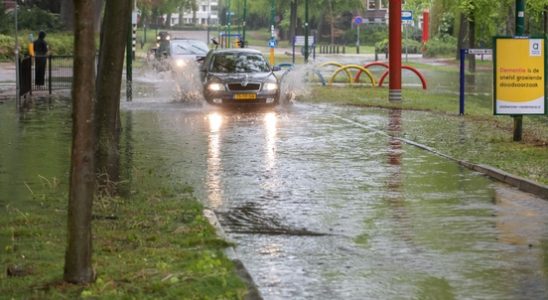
(40, 50)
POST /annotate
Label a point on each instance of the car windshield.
(188, 47)
(239, 63)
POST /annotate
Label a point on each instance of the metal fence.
(58, 76)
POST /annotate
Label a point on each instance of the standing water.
(322, 202)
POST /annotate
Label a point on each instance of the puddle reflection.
(214, 163)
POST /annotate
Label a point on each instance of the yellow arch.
(345, 68)
(336, 64)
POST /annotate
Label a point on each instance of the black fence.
(58, 74)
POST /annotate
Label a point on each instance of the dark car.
(239, 77)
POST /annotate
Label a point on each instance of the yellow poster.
(519, 76)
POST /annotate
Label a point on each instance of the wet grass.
(431, 118)
(153, 244)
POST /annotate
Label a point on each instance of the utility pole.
(305, 31)
(520, 31)
(394, 46)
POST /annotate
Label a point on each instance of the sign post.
(358, 21)
(394, 43)
(406, 18)
(520, 87)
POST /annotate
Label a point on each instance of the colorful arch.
(336, 64)
(345, 68)
(419, 74)
(367, 66)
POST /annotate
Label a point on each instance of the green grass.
(431, 118)
(154, 244)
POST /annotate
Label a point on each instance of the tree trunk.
(292, 20)
(472, 42)
(78, 267)
(462, 34)
(181, 15)
(67, 14)
(511, 21)
(545, 20)
(331, 23)
(167, 22)
(109, 81)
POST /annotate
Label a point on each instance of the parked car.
(239, 77)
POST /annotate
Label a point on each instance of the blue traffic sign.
(407, 15)
(272, 43)
(358, 20)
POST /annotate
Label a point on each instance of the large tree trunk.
(78, 267)
(292, 20)
(511, 20)
(109, 80)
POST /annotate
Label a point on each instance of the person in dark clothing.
(40, 50)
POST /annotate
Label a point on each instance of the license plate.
(247, 96)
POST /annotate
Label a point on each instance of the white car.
(183, 52)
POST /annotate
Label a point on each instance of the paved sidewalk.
(7, 79)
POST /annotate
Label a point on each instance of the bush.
(369, 34)
(60, 44)
(7, 47)
(412, 46)
(441, 47)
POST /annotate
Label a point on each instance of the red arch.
(421, 77)
(366, 66)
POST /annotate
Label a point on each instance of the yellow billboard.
(519, 76)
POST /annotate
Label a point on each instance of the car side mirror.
(276, 69)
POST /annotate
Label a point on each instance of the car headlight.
(180, 63)
(216, 87)
(270, 86)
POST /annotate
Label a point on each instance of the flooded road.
(324, 206)
(322, 202)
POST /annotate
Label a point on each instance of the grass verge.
(430, 118)
(153, 244)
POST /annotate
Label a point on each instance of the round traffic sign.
(358, 20)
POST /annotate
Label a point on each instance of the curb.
(253, 292)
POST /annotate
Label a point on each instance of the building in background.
(207, 9)
(376, 12)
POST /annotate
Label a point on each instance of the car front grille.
(240, 87)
